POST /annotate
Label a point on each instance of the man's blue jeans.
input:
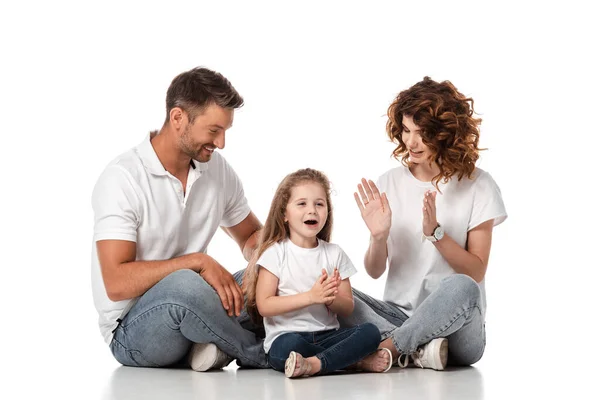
(336, 348)
(178, 311)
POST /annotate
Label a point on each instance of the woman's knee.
(462, 284)
(465, 358)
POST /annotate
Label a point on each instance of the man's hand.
(222, 281)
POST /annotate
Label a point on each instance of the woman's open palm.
(374, 209)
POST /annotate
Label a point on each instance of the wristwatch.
(438, 234)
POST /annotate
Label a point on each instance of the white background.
(82, 82)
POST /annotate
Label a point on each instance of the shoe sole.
(202, 356)
(290, 364)
(441, 352)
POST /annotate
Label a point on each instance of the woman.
(431, 222)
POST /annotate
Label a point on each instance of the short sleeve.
(236, 204)
(344, 264)
(487, 202)
(270, 260)
(116, 206)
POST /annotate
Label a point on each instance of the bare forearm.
(277, 305)
(132, 279)
(460, 259)
(251, 245)
(342, 305)
(376, 257)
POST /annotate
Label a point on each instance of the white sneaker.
(205, 356)
(432, 355)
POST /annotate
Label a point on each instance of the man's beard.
(187, 147)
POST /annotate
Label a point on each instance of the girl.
(431, 223)
(298, 282)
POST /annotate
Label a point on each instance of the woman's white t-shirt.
(298, 269)
(416, 267)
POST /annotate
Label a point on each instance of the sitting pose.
(299, 282)
(431, 223)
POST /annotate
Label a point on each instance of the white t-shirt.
(298, 269)
(137, 200)
(416, 267)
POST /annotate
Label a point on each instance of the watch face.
(438, 233)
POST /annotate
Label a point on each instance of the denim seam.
(128, 351)
(445, 328)
(142, 356)
(200, 319)
(377, 307)
(440, 331)
(323, 364)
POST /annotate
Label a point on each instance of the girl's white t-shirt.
(416, 267)
(298, 269)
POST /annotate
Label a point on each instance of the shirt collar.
(153, 164)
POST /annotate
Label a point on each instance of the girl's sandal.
(290, 366)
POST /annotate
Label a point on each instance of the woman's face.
(418, 152)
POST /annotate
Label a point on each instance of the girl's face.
(418, 152)
(306, 213)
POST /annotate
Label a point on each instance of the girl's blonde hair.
(276, 229)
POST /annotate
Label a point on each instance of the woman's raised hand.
(374, 209)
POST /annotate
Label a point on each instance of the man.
(156, 208)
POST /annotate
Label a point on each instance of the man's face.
(200, 139)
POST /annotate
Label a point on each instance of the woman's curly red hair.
(448, 128)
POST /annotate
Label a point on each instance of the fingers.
(429, 204)
(230, 301)
(223, 296)
(330, 292)
(363, 195)
(358, 202)
(426, 218)
(385, 203)
(433, 196)
(368, 189)
(330, 284)
(238, 298)
(374, 190)
(322, 279)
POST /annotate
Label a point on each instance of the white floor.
(72, 370)
(523, 381)
(233, 383)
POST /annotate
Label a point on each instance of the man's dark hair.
(196, 89)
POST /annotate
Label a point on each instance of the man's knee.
(188, 289)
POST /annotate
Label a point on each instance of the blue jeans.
(336, 348)
(452, 311)
(178, 311)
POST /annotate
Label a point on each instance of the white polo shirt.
(137, 200)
